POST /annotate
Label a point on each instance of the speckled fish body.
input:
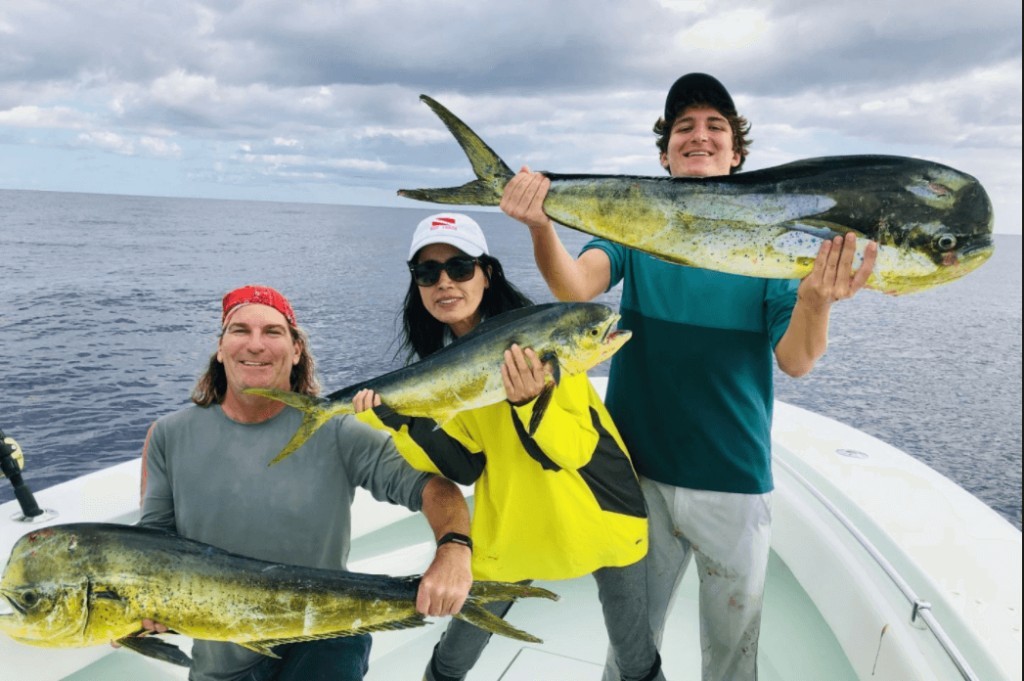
(932, 223)
(570, 337)
(86, 584)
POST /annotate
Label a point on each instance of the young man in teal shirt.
(692, 392)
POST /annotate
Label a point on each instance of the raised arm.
(569, 278)
(832, 279)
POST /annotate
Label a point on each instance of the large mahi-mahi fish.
(570, 337)
(932, 223)
(87, 584)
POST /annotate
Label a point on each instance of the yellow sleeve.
(427, 446)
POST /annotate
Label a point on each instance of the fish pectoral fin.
(490, 622)
(265, 647)
(540, 406)
(551, 358)
(104, 593)
(151, 646)
(818, 228)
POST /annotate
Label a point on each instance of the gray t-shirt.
(207, 479)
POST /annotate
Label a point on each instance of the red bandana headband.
(260, 295)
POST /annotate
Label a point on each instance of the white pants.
(730, 536)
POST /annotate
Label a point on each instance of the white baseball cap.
(455, 229)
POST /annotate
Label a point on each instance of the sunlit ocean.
(109, 310)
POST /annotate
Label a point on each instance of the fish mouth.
(609, 328)
(969, 258)
(12, 605)
(982, 249)
(613, 337)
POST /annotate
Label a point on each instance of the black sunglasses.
(459, 268)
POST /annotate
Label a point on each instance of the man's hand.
(523, 375)
(524, 196)
(148, 627)
(445, 584)
(832, 278)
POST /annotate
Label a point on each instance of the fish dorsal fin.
(265, 646)
(491, 324)
(815, 167)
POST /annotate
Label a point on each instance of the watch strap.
(455, 538)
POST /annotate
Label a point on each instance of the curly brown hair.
(740, 133)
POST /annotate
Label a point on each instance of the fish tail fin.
(488, 592)
(491, 172)
(315, 413)
(488, 621)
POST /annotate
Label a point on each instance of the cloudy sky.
(317, 101)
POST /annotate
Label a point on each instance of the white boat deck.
(831, 611)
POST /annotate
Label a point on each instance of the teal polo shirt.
(692, 391)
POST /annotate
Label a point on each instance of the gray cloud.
(217, 86)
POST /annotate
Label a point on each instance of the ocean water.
(109, 310)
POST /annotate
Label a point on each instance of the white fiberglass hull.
(831, 611)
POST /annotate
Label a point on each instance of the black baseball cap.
(697, 88)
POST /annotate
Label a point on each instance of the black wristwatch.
(456, 538)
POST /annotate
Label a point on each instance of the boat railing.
(921, 610)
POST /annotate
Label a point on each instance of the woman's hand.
(365, 399)
(523, 375)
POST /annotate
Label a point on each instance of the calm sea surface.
(109, 308)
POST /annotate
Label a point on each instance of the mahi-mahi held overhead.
(87, 584)
(570, 337)
(932, 223)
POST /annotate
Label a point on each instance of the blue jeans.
(346, 658)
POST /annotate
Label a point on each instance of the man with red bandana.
(692, 392)
(206, 478)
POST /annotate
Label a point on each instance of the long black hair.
(423, 335)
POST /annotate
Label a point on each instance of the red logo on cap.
(443, 222)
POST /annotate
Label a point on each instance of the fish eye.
(945, 242)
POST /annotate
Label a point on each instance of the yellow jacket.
(555, 503)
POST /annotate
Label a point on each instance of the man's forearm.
(445, 507)
(569, 279)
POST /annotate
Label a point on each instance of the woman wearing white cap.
(557, 504)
